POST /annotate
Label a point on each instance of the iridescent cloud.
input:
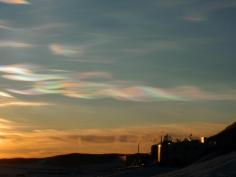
(16, 69)
(140, 93)
(77, 85)
(4, 94)
(7, 100)
(32, 77)
(62, 50)
(25, 73)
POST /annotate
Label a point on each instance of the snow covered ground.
(222, 166)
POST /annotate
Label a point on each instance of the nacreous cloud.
(80, 86)
(6, 95)
(7, 100)
(15, 1)
(62, 50)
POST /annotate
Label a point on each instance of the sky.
(102, 76)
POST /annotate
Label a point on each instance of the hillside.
(222, 166)
(225, 140)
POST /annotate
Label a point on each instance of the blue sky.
(106, 65)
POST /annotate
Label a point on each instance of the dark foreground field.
(76, 165)
(112, 165)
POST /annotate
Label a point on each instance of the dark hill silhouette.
(232, 126)
(69, 160)
(17, 161)
(228, 131)
(223, 142)
(83, 159)
(226, 139)
(68, 163)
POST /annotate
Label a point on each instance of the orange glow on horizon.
(16, 140)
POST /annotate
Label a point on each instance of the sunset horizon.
(38, 143)
(87, 76)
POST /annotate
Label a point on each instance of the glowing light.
(159, 153)
(202, 140)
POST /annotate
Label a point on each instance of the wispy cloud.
(23, 104)
(4, 25)
(46, 27)
(14, 44)
(25, 73)
(76, 53)
(17, 69)
(195, 93)
(13, 102)
(94, 74)
(4, 94)
(68, 51)
(7, 126)
(150, 47)
(205, 9)
(7, 100)
(36, 30)
(77, 85)
(19, 2)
